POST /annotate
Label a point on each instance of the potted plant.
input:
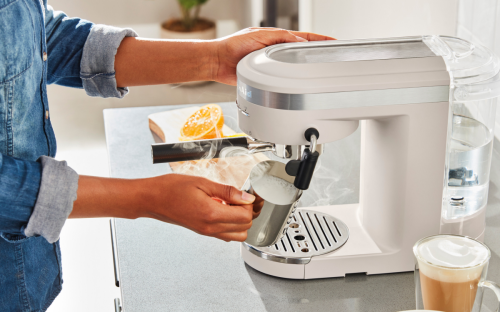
(190, 26)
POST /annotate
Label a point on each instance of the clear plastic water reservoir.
(474, 92)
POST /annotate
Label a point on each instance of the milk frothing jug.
(270, 183)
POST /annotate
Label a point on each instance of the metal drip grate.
(310, 234)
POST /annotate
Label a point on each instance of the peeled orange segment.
(205, 123)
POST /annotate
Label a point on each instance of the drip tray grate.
(309, 234)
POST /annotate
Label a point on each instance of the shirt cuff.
(55, 199)
(98, 61)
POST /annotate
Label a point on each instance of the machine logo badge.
(244, 92)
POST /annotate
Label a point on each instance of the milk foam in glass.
(450, 273)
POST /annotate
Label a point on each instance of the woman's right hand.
(183, 200)
(188, 201)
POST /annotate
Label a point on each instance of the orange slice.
(205, 123)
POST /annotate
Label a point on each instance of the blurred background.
(78, 120)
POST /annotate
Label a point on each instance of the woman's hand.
(192, 202)
(141, 61)
(231, 49)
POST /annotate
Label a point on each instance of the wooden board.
(167, 125)
(232, 170)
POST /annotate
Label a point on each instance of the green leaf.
(188, 4)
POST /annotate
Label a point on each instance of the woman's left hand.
(231, 49)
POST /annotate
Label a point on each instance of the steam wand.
(204, 149)
(303, 169)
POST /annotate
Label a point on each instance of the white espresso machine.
(426, 106)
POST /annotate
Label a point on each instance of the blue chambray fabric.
(30, 267)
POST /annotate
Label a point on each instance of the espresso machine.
(426, 106)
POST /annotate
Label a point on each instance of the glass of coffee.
(450, 273)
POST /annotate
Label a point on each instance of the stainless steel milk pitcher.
(269, 182)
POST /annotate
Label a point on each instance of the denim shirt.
(40, 46)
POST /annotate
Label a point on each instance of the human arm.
(81, 54)
(19, 184)
(65, 39)
(34, 197)
(141, 61)
(37, 197)
(178, 199)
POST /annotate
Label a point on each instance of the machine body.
(402, 91)
(426, 106)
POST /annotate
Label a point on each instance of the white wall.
(354, 19)
(133, 12)
(479, 22)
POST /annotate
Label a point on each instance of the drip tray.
(309, 234)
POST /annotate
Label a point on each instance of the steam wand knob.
(303, 170)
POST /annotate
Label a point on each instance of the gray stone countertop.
(163, 267)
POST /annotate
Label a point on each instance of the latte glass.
(450, 273)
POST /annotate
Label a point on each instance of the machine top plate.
(344, 65)
(339, 51)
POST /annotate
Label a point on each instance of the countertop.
(163, 267)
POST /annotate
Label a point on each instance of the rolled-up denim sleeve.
(98, 61)
(19, 185)
(58, 187)
(36, 198)
(82, 54)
